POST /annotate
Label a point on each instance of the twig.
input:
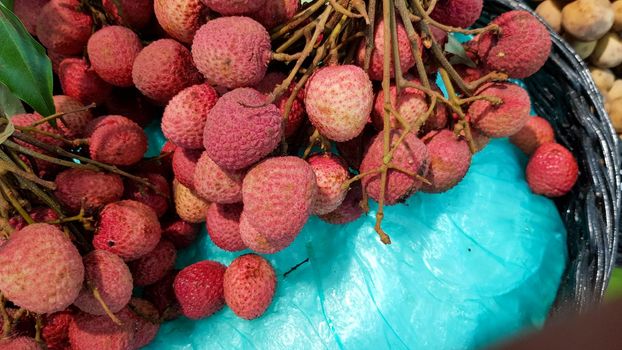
(104, 306)
(369, 41)
(61, 114)
(9, 194)
(344, 11)
(32, 177)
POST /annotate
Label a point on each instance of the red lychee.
(276, 12)
(63, 28)
(184, 165)
(153, 266)
(234, 7)
(223, 226)
(450, 159)
(117, 144)
(180, 18)
(19, 343)
(199, 289)
(88, 189)
(28, 12)
(180, 233)
(162, 295)
(457, 13)
(349, 210)
(80, 81)
(216, 185)
(112, 51)
(297, 111)
(158, 201)
(535, 133)
(71, 125)
(55, 330)
(331, 173)
(144, 319)
(249, 285)
(552, 170)
(504, 119)
(88, 332)
(131, 13)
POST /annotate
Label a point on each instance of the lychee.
(232, 51)
(112, 51)
(234, 7)
(276, 12)
(457, 13)
(144, 320)
(122, 143)
(411, 155)
(135, 14)
(504, 119)
(88, 189)
(184, 117)
(450, 159)
(552, 170)
(223, 226)
(249, 285)
(27, 119)
(216, 185)
(158, 201)
(28, 12)
(411, 104)
(164, 68)
(39, 214)
(331, 173)
(63, 28)
(55, 330)
(127, 228)
(180, 18)
(257, 241)
(349, 210)
(19, 343)
(241, 129)
(131, 104)
(162, 295)
(199, 289)
(339, 101)
(188, 205)
(520, 47)
(72, 125)
(107, 273)
(88, 332)
(376, 64)
(153, 266)
(278, 197)
(479, 139)
(180, 233)
(297, 110)
(80, 81)
(184, 165)
(535, 133)
(42, 253)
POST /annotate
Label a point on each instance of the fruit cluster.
(593, 28)
(273, 112)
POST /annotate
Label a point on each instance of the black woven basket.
(564, 93)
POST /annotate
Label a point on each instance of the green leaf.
(8, 4)
(459, 55)
(24, 67)
(10, 105)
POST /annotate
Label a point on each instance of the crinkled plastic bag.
(467, 268)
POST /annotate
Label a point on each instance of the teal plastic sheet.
(466, 268)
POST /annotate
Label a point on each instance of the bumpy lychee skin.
(72, 125)
(199, 289)
(61, 27)
(143, 318)
(223, 226)
(339, 101)
(275, 12)
(257, 241)
(135, 14)
(411, 104)
(297, 111)
(153, 266)
(278, 197)
(184, 165)
(80, 81)
(27, 119)
(331, 173)
(552, 170)
(162, 295)
(19, 343)
(184, 117)
(521, 47)
(249, 285)
(158, 201)
(189, 206)
(241, 129)
(376, 64)
(232, 51)
(457, 13)
(180, 233)
(450, 159)
(40, 252)
(234, 7)
(504, 119)
(28, 12)
(55, 330)
(164, 68)
(88, 332)
(180, 18)
(77, 188)
(112, 51)
(117, 144)
(411, 155)
(349, 210)
(216, 185)
(127, 228)
(535, 133)
(112, 278)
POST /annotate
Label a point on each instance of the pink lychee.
(184, 165)
(88, 189)
(72, 125)
(450, 159)
(80, 81)
(297, 110)
(118, 144)
(457, 13)
(249, 285)
(234, 7)
(180, 18)
(349, 210)
(331, 174)
(63, 28)
(535, 133)
(276, 12)
(112, 51)
(216, 185)
(223, 226)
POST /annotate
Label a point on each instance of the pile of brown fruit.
(274, 111)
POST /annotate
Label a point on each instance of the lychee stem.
(300, 17)
(32, 129)
(359, 5)
(6, 320)
(38, 327)
(4, 166)
(369, 41)
(283, 57)
(9, 193)
(413, 37)
(342, 10)
(492, 76)
(47, 158)
(61, 114)
(455, 102)
(294, 38)
(313, 139)
(492, 99)
(103, 304)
